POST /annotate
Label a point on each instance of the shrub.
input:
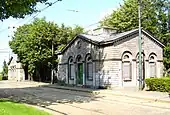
(5, 78)
(0, 77)
(158, 84)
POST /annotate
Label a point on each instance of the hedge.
(158, 84)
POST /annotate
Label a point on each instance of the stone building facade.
(15, 70)
(107, 58)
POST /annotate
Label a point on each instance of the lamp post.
(140, 46)
(52, 48)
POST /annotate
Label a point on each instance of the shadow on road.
(44, 96)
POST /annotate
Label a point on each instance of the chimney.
(103, 30)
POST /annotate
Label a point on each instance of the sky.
(89, 13)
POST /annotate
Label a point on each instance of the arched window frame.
(152, 58)
(79, 59)
(152, 65)
(71, 68)
(127, 61)
(89, 67)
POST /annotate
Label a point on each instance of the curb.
(71, 89)
(145, 98)
(136, 97)
(112, 93)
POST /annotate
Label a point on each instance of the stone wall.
(73, 51)
(107, 60)
(112, 59)
(15, 71)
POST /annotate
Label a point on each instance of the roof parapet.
(103, 30)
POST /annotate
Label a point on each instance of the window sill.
(127, 80)
(153, 77)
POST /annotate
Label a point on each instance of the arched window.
(80, 70)
(127, 68)
(71, 68)
(126, 57)
(152, 65)
(89, 68)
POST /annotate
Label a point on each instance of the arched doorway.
(79, 74)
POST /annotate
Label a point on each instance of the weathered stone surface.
(107, 60)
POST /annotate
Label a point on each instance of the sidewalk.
(146, 95)
(128, 92)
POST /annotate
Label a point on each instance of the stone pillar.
(84, 80)
(75, 76)
(120, 74)
(94, 75)
(158, 69)
(18, 72)
(23, 74)
(147, 69)
(133, 73)
(67, 79)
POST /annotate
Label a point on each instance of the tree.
(33, 44)
(19, 8)
(154, 17)
(5, 68)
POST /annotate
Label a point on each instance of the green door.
(80, 73)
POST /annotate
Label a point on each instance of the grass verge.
(8, 107)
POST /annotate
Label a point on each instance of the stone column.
(67, 79)
(147, 71)
(132, 73)
(23, 74)
(18, 72)
(120, 74)
(75, 76)
(84, 80)
(158, 68)
(94, 75)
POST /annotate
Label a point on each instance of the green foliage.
(5, 68)
(0, 77)
(158, 84)
(33, 43)
(167, 56)
(18, 8)
(154, 16)
(4, 73)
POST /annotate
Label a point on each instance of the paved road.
(65, 102)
